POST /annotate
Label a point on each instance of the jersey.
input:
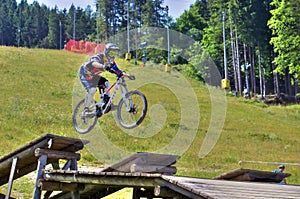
(87, 66)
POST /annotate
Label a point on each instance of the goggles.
(112, 53)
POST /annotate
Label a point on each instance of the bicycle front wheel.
(132, 110)
(84, 121)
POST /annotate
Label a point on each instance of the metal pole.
(19, 32)
(74, 28)
(97, 21)
(224, 39)
(60, 35)
(168, 33)
(128, 35)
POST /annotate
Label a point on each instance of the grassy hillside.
(36, 98)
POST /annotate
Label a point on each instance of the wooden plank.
(142, 158)
(53, 154)
(234, 189)
(152, 169)
(242, 174)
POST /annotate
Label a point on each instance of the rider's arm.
(98, 65)
(113, 68)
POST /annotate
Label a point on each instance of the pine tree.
(53, 34)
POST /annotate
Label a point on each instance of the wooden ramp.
(35, 155)
(242, 174)
(220, 189)
(100, 184)
(149, 174)
(145, 163)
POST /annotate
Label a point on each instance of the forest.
(254, 44)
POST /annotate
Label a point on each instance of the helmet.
(281, 166)
(111, 50)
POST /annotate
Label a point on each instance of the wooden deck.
(150, 175)
(164, 186)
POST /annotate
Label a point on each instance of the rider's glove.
(107, 66)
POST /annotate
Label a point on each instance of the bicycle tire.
(134, 117)
(83, 124)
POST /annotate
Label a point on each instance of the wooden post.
(73, 165)
(136, 193)
(11, 177)
(41, 165)
(75, 194)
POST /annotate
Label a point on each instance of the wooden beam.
(105, 180)
(60, 186)
(90, 191)
(52, 154)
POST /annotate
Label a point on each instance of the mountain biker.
(90, 70)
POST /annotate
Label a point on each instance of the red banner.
(84, 47)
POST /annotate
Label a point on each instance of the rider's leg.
(89, 97)
(106, 96)
(106, 87)
(91, 90)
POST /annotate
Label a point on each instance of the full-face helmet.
(111, 50)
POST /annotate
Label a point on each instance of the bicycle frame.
(119, 84)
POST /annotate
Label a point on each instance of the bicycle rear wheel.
(132, 111)
(83, 121)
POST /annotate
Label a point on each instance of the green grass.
(36, 98)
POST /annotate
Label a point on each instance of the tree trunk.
(238, 63)
(288, 86)
(233, 49)
(261, 79)
(275, 77)
(253, 75)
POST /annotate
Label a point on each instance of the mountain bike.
(131, 110)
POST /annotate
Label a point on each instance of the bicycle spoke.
(132, 111)
(84, 121)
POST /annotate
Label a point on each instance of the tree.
(285, 26)
(7, 22)
(53, 34)
(193, 21)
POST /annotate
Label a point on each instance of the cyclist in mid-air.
(90, 70)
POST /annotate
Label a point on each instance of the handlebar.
(131, 77)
